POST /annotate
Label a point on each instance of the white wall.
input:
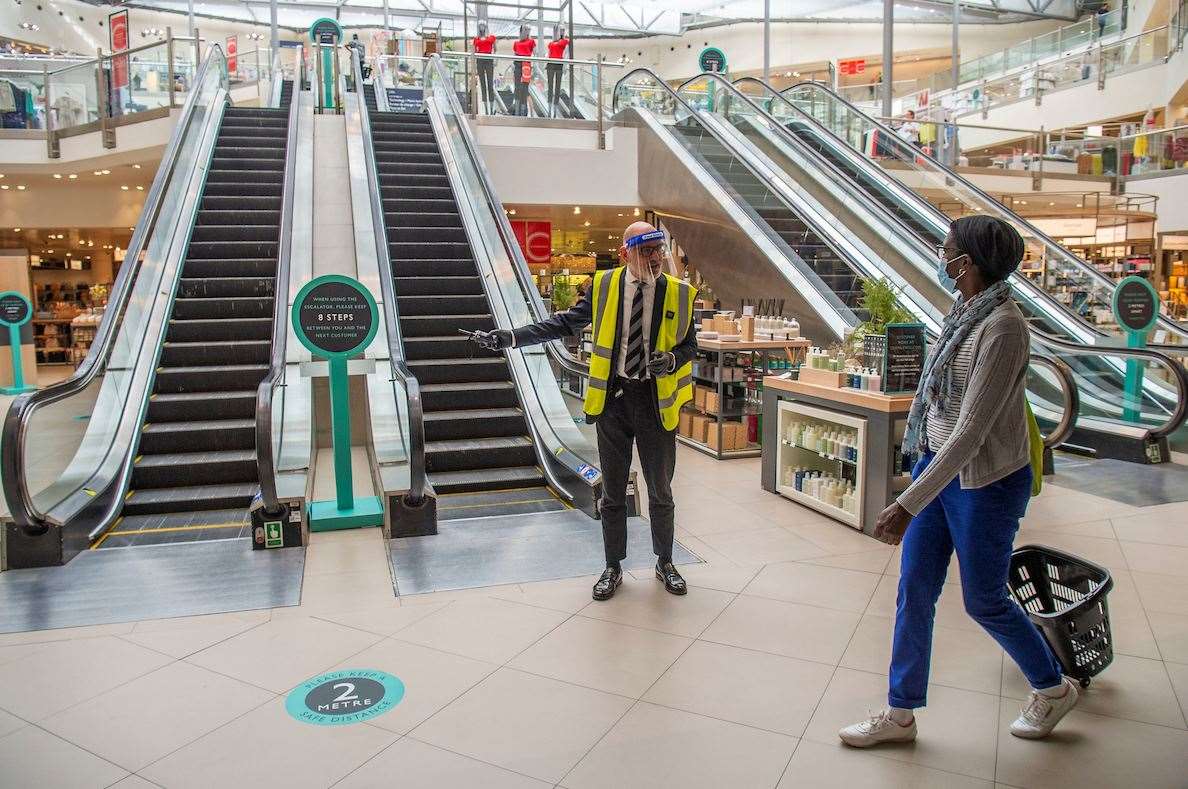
(674, 57)
(1172, 207)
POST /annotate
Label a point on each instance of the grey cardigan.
(990, 438)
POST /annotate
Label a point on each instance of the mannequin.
(524, 47)
(484, 44)
(557, 49)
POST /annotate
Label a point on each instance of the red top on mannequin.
(557, 48)
(524, 46)
(484, 45)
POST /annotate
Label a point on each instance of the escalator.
(480, 458)
(194, 474)
(286, 94)
(369, 97)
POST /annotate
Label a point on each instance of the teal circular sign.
(325, 31)
(1136, 304)
(712, 59)
(335, 316)
(15, 309)
(340, 698)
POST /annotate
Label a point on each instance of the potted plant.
(564, 294)
(880, 302)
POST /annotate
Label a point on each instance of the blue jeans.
(980, 524)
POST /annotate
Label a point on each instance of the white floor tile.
(827, 587)
(1150, 558)
(816, 766)
(657, 746)
(386, 621)
(1179, 679)
(182, 637)
(742, 686)
(645, 603)
(149, 717)
(485, 629)
(1167, 593)
(410, 764)
(789, 629)
(10, 723)
(876, 561)
(761, 546)
(32, 757)
(569, 595)
(1171, 635)
(528, 724)
(1159, 526)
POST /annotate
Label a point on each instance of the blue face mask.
(942, 273)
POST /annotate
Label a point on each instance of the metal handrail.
(992, 205)
(120, 54)
(20, 412)
(276, 87)
(1072, 397)
(265, 461)
(416, 413)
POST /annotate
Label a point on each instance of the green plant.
(880, 300)
(564, 294)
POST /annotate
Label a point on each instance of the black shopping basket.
(1065, 596)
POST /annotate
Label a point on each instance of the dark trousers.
(521, 90)
(631, 417)
(554, 73)
(486, 78)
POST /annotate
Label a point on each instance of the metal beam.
(888, 55)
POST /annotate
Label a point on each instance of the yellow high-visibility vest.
(672, 389)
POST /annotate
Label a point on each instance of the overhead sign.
(117, 36)
(903, 360)
(340, 698)
(325, 31)
(232, 54)
(335, 316)
(852, 66)
(1136, 304)
(712, 59)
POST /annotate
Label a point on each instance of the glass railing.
(557, 439)
(85, 427)
(28, 92)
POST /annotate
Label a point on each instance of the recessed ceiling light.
(636, 212)
(3, 186)
(98, 172)
(140, 188)
(586, 223)
(136, 167)
(124, 187)
(577, 209)
(72, 176)
(21, 187)
(1079, 205)
(16, 230)
(106, 172)
(58, 176)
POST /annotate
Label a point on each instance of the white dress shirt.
(630, 284)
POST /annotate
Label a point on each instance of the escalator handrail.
(1179, 373)
(556, 351)
(278, 79)
(1072, 398)
(265, 461)
(412, 389)
(20, 412)
(1163, 321)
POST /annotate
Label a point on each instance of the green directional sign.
(712, 59)
(15, 312)
(1136, 308)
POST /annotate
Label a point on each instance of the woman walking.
(971, 484)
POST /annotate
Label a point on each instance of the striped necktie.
(635, 335)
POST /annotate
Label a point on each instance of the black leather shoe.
(673, 581)
(608, 583)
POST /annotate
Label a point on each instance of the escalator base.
(493, 503)
(179, 527)
(465, 554)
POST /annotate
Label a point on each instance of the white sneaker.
(1041, 713)
(877, 729)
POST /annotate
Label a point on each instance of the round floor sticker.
(344, 697)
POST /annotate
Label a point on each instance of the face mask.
(942, 272)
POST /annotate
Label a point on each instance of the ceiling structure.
(604, 18)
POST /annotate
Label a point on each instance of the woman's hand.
(892, 523)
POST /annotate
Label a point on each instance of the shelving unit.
(790, 456)
(61, 351)
(728, 374)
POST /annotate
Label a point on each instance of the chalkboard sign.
(405, 99)
(335, 316)
(903, 362)
(15, 309)
(1136, 304)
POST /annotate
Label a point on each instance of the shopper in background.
(641, 373)
(1102, 12)
(971, 484)
(357, 45)
(909, 130)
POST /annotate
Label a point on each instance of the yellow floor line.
(107, 533)
(492, 504)
(495, 490)
(195, 527)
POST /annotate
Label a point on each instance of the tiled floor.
(743, 683)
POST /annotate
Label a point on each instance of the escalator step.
(223, 287)
(202, 405)
(242, 201)
(437, 325)
(401, 168)
(246, 216)
(199, 436)
(397, 180)
(212, 378)
(486, 479)
(239, 231)
(441, 286)
(438, 371)
(215, 353)
(426, 192)
(240, 267)
(199, 309)
(247, 166)
(221, 329)
(475, 453)
(225, 250)
(440, 305)
(474, 423)
(397, 221)
(462, 396)
(429, 267)
(443, 347)
(235, 176)
(182, 469)
(193, 498)
(427, 234)
(400, 250)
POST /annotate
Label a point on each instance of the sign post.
(15, 312)
(711, 59)
(326, 34)
(336, 317)
(1136, 307)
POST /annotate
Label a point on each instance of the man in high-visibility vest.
(641, 373)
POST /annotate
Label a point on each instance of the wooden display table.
(867, 428)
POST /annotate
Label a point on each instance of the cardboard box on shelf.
(698, 427)
(699, 393)
(685, 425)
(712, 403)
(738, 435)
(734, 436)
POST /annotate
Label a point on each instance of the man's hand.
(661, 363)
(892, 523)
(495, 340)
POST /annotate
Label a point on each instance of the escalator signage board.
(405, 99)
(15, 309)
(712, 59)
(1136, 304)
(343, 697)
(335, 316)
(903, 360)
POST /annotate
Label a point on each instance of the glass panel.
(148, 81)
(28, 86)
(73, 98)
(93, 442)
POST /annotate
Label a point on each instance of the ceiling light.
(586, 223)
(106, 172)
(1, 175)
(1022, 202)
(577, 209)
(620, 214)
(72, 176)
(1079, 205)
(140, 188)
(1051, 204)
(58, 176)
(787, 73)
(124, 187)
(3, 186)
(796, 74)
(136, 167)
(68, 254)
(98, 172)
(636, 212)
(512, 212)
(20, 187)
(16, 230)
(49, 252)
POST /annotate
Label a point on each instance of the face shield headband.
(644, 256)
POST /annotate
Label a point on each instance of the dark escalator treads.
(194, 474)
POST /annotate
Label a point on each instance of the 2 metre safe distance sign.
(341, 698)
(1136, 304)
(335, 316)
(15, 309)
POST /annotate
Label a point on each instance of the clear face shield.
(647, 255)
